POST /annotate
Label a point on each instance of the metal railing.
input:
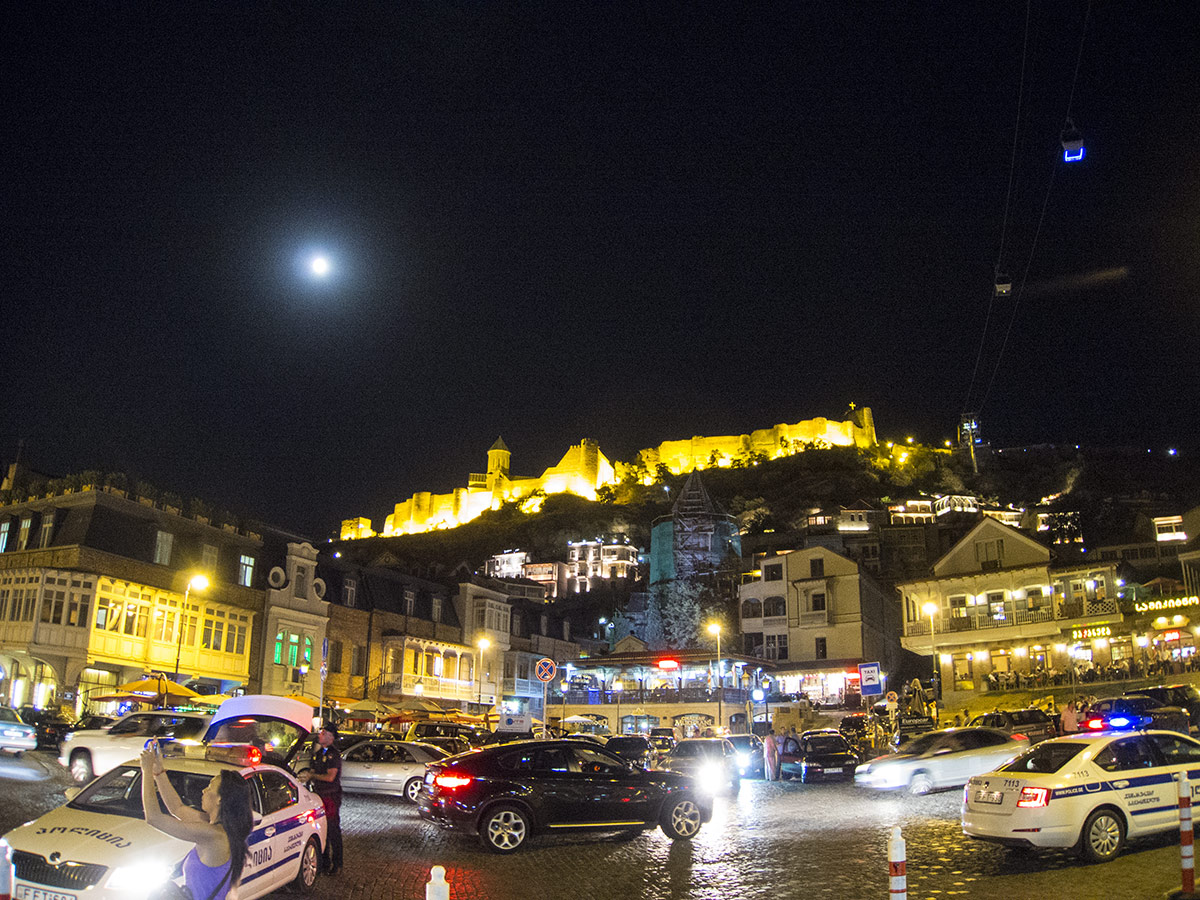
(655, 695)
(1063, 610)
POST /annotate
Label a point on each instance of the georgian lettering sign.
(1170, 603)
(1087, 634)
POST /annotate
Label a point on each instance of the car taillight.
(1020, 737)
(1034, 797)
(450, 782)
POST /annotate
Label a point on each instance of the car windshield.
(269, 735)
(920, 743)
(629, 743)
(1047, 757)
(119, 792)
(742, 741)
(697, 749)
(825, 743)
(8, 715)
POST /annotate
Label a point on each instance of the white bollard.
(6, 870)
(897, 865)
(437, 888)
(1187, 860)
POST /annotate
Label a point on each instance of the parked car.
(51, 727)
(418, 731)
(712, 762)
(663, 741)
(508, 792)
(749, 749)
(1134, 711)
(1033, 723)
(818, 755)
(633, 748)
(1185, 695)
(940, 759)
(92, 722)
(383, 767)
(15, 736)
(857, 728)
(1085, 792)
(90, 752)
(452, 745)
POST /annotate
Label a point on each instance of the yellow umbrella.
(211, 699)
(161, 686)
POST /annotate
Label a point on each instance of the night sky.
(552, 221)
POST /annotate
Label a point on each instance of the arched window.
(279, 641)
(307, 650)
(774, 606)
(293, 650)
(752, 609)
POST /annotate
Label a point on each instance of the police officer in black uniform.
(325, 776)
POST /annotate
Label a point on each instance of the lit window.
(350, 591)
(162, 548)
(246, 571)
(293, 650)
(47, 529)
(4, 534)
(279, 637)
(23, 534)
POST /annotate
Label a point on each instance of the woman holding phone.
(218, 829)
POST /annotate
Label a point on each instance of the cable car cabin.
(1072, 143)
(1003, 285)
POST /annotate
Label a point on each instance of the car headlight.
(139, 878)
(743, 760)
(710, 777)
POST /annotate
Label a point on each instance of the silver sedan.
(940, 759)
(387, 767)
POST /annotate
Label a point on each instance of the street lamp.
(931, 609)
(482, 644)
(196, 582)
(715, 628)
(617, 687)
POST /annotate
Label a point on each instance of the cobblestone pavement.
(778, 840)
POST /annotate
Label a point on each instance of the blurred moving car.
(940, 759)
(51, 727)
(15, 735)
(1031, 722)
(92, 722)
(1184, 695)
(749, 749)
(508, 792)
(633, 748)
(383, 767)
(712, 762)
(108, 851)
(1090, 792)
(93, 752)
(1134, 711)
(818, 755)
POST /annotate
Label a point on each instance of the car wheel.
(310, 865)
(920, 783)
(1103, 836)
(17, 754)
(681, 818)
(504, 829)
(81, 767)
(411, 788)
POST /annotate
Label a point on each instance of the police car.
(100, 847)
(1087, 792)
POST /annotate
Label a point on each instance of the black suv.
(508, 792)
(1032, 723)
(1184, 695)
(632, 748)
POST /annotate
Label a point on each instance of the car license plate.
(838, 770)
(989, 796)
(29, 892)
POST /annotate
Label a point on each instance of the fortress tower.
(499, 458)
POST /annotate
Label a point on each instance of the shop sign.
(1087, 634)
(1171, 603)
(1170, 635)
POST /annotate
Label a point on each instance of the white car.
(1088, 792)
(99, 847)
(95, 751)
(940, 759)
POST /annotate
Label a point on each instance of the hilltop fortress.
(584, 469)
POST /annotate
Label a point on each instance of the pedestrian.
(218, 830)
(325, 773)
(771, 755)
(1068, 723)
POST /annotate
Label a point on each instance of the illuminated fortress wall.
(584, 468)
(782, 440)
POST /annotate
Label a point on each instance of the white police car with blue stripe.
(1088, 792)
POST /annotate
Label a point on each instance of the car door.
(1141, 783)
(545, 776)
(359, 774)
(275, 843)
(612, 791)
(124, 741)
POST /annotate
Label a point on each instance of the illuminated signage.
(668, 664)
(1087, 634)
(1173, 603)
(1170, 635)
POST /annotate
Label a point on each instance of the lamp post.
(931, 609)
(482, 644)
(715, 628)
(617, 688)
(199, 583)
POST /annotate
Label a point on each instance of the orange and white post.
(897, 865)
(1187, 857)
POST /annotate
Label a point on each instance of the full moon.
(319, 266)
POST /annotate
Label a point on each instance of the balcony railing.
(1063, 610)
(655, 695)
(821, 617)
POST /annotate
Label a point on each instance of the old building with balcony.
(999, 610)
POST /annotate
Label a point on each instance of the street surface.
(777, 840)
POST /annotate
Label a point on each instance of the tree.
(681, 613)
(653, 633)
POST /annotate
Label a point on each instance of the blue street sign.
(324, 651)
(870, 682)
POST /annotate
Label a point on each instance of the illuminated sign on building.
(668, 664)
(1087, 634)
(1172, 603)
(1170, 635)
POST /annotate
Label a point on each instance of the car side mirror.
(256, 819)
